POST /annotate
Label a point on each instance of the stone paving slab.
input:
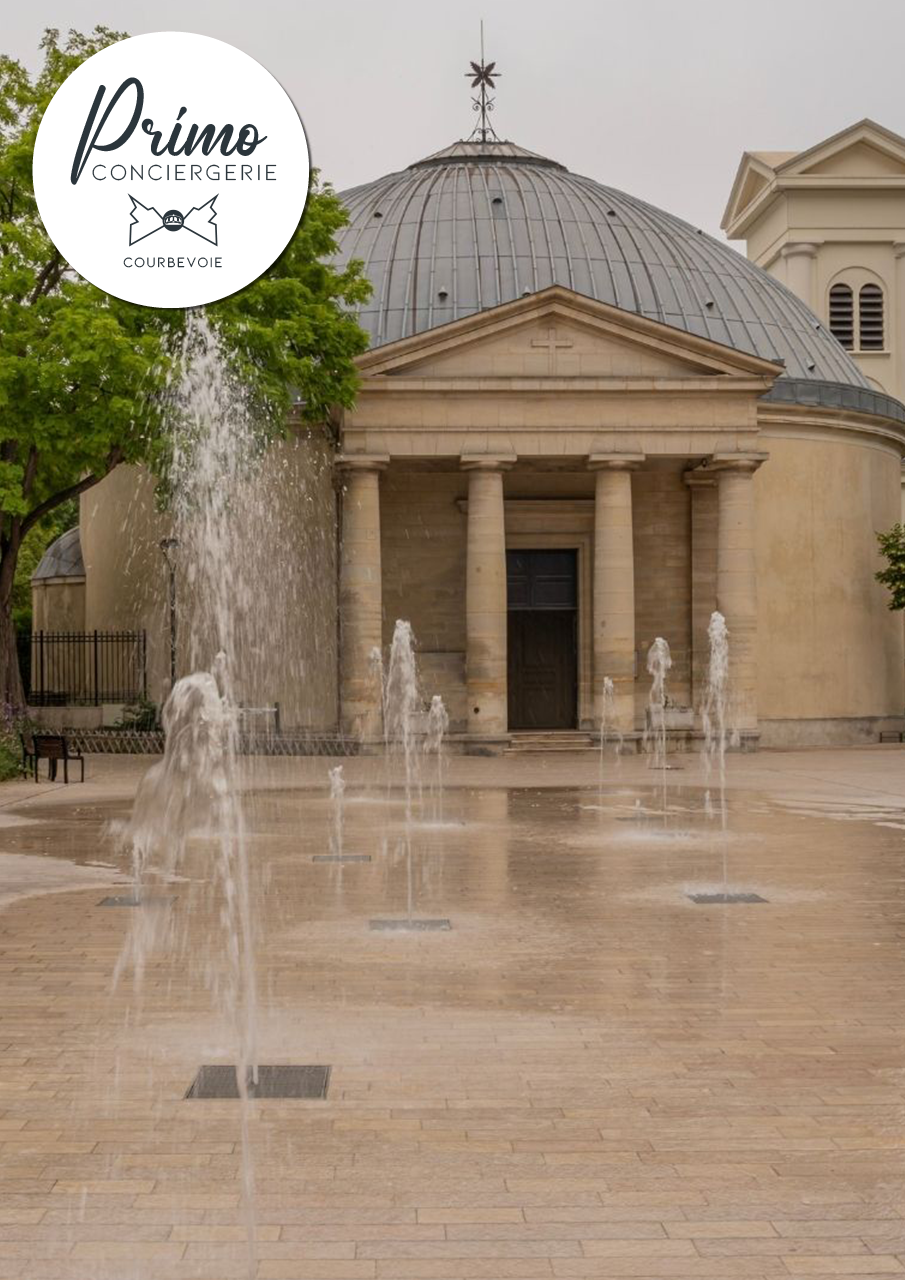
(586, 1076)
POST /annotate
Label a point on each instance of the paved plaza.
(587, 1075)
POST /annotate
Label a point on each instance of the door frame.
(528, 528)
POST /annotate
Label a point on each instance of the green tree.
(82, 374)
(892, 546)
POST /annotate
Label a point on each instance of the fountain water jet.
(403, 715)
(437, 728)
(713, 712)
(713, 718)
(337, 797)
(402, 703)
(189, 818)
(659, 662)
(401, 706)
(607, 717)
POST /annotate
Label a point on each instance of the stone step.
(525, 742)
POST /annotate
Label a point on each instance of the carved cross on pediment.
(552, 342)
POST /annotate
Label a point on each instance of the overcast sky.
(656, 97)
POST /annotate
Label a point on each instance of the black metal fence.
(83, 668)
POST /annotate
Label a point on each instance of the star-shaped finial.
(482, 74)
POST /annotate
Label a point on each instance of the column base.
(473, 745)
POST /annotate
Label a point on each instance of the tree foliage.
(892, 546)
(82, 374)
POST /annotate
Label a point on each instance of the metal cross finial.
(483, 76)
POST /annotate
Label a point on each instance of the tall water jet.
(713, 712)
(337, 806)
(437, 728)
(659, 662)
(188, 818)
(607, 718)
(402, 705)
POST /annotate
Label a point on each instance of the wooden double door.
(542, 594)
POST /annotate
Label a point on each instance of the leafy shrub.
(141, 716)
(12, 723)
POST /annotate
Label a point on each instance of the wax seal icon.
(201, 221)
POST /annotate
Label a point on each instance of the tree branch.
(48, 279)
(114, 458)
(31, 467)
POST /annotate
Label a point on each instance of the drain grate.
(129, 900)
(341, 857)
(724, 899)
(406, 926)
(272, 1082)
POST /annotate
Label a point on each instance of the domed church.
(582, 424)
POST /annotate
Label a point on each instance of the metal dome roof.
(62, 559)
(482, 223)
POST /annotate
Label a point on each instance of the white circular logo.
(171, 169)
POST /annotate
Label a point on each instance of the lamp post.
(168, 545)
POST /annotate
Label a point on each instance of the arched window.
(870, 317)
(842, 314)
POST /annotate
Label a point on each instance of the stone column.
(800, 260)
(485, 598)
(736, 579)
(702, 485)
(360, 596)
(614, 584)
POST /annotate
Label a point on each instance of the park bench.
(52, 747)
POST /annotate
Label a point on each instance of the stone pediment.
(753, 180)
(860, 160)
(558, 334)
(864, 150)
(863, 154)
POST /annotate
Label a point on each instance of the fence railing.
(83, 668)
(151, 742)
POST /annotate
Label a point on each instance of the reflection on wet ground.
(588, 1074)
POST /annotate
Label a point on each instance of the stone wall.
(423, 536)
(662, 537)
(288, 643)
(423, 564)
(829, 649)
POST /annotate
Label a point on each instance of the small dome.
(482, 223)
(62, 559)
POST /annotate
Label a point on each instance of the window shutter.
(870, 317)
(842, 315)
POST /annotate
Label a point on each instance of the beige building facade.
(829, 222)
(582, 425)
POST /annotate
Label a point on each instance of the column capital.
(487, 461)
(700, 477)
(736, 463)
(799, 248)
(362, 461)
(615, 461)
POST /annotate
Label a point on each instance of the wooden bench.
(53, 747)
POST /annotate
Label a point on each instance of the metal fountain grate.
(341, 857)
(273, 1082)
(724, 899)
(129, 900)
(406, 926)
